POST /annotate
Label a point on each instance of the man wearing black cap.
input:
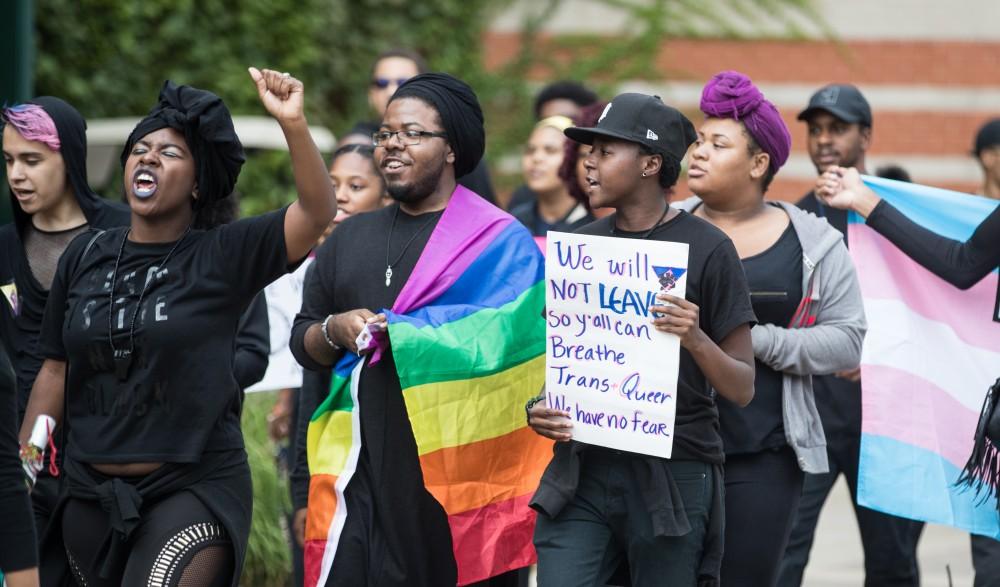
(839, 122)
(987, 152)
(396, 533)
(600, 507)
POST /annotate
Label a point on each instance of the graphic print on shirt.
(143, 391)
(10, 294)
(668, 276)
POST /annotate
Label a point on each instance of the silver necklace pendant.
(388, 275)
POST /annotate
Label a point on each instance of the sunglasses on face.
(384, 82)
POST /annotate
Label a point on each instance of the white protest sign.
(284, 298)
(605, 362)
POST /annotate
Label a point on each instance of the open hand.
(280, 93)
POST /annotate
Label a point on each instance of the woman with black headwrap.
(139, 327)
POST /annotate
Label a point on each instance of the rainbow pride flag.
(468, 339)
(931, 353)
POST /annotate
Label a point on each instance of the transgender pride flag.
(931, 353)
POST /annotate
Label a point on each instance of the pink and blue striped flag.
(931, 353)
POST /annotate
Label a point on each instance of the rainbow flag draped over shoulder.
(931, 353)
(468, 339)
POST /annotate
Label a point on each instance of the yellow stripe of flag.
(453, 413)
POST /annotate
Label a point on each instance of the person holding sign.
(811, 321)
(600, 507)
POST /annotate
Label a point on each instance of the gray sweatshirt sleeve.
(833, 342)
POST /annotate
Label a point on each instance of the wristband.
(531, 403)
(326, 334)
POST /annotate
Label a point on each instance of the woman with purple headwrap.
(810, 321)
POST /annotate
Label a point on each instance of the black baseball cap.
(643, 119)
(988, 136)
(844, 101)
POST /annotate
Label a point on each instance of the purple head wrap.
(731, 94)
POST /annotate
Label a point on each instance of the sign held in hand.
(606, 364)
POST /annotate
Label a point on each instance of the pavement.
(838, 561)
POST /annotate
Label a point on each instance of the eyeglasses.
(407, 137)
(384, 82)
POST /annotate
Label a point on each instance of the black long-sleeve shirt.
(253, 343)
(17, 532)
(960, 264)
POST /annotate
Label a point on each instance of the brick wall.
(929, 96)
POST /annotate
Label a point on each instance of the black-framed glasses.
(407, 137)
(384, 82)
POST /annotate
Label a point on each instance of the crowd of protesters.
(130, 331)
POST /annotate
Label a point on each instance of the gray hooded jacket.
(829, 328)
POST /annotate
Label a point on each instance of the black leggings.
(179, 542)
(762, 496)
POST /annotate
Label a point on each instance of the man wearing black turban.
(395, 532)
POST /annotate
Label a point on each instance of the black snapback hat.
(643, 119)
(988, 136)
(844, 101)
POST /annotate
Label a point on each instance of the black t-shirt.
(180, 397)
(17, 540)
(349, 273)
(716, 283)
(775, 278)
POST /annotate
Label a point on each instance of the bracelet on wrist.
(326, 333)
(531, 403)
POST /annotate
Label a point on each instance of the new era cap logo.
(605, 113)
(651, 135)
(830, 95)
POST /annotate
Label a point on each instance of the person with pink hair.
(45, 154)
(810, 318)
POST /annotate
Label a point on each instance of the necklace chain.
(123, 357)
(389, 265)
(645, 235)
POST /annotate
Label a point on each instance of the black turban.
(207, 127)
(460, 113)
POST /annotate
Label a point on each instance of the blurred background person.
(838, 120)
(573, 172)
(18, 545)
(360, 188)
(554, 208)
(987, 151)
(562, 98)
(389, 71)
